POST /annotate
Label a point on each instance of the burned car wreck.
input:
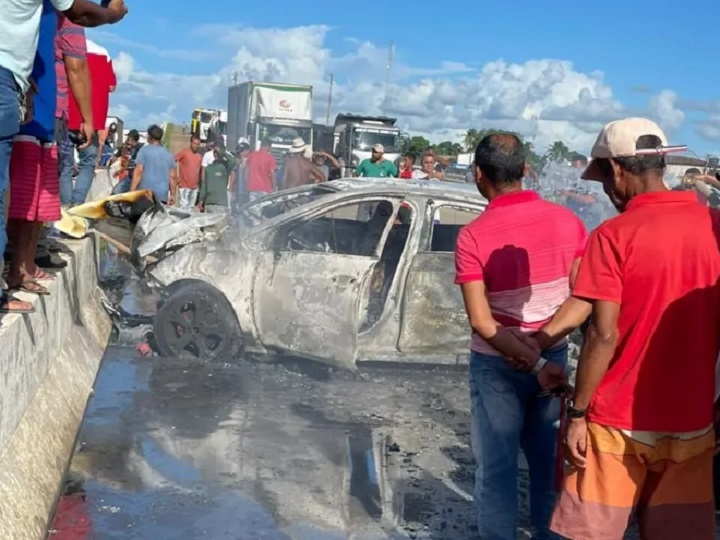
(341, 272)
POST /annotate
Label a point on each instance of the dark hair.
(642, 165)
(195, 137)
(242, 147)
(266, 143)
(409, 155)
(579, 157)
(155, 132)
(638, 165)
(134, 135)
(501, 158)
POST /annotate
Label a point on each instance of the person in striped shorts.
(640, 437)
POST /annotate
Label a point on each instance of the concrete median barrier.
(48, 363)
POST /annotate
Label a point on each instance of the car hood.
(161, 230)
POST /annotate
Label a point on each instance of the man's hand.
(524, 364)
(576, 442)
(552, 376)
(118, 9)
(88, 132)
(171, 200)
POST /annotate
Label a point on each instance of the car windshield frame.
(290, 199)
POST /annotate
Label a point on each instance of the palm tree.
(471, 140)
(558, 151)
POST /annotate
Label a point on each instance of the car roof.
(411, 187)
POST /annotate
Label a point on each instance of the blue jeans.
(77, 194)
(508, 415)
(9, 127)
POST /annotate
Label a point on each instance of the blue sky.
(446, 67)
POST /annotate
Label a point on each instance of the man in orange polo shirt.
(640, 431)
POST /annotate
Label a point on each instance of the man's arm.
(89, 14)
(231, 181)
(483, 322)
(331, 158)
(139, 168)
(316, 174)
(597, 351)
(137, 177)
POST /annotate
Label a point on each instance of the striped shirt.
(69, 43)
(523, 248)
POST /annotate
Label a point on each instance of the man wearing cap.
(377, 166)
(299, 169)
(640, 432)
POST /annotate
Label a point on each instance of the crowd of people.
(638, 430)
(53, 84)
(207, 177)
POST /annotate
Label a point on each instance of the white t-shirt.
(208, 157)
(419, 174)
(20, 29)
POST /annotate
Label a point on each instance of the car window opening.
(446, 227)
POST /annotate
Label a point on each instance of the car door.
(434, 320)
(310, 285)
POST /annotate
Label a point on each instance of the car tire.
(196, 321)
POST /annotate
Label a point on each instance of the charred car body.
(339, 272)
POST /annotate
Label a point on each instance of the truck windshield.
(205, 117)
(283, 134)
(365, 140)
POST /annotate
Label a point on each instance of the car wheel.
(196, 321)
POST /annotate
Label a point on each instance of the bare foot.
(8, 304)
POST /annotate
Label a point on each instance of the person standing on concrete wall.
(34, 183)
(19, 28)
(155, 168)
(514, 264)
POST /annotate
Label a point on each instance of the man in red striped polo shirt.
(514, 264)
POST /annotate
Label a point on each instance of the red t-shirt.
(259, 169)
(523, 248)
(660, 261)
(102, 79)
(189, 163)
(406, 174)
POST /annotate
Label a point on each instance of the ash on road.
(287, 451)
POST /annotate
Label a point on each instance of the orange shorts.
(667, 479)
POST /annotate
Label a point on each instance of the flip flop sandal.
(26, 287)
(4, 309)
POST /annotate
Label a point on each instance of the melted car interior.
(357, 230)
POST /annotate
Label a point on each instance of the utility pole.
(329, 105)
(391, 54)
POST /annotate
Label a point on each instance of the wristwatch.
(573, 413)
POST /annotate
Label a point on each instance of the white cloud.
(545, 98)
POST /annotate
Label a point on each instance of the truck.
(201, 119)
(217, 129)
(275, 111)
(355, 135)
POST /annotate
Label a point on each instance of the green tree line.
(556, 152)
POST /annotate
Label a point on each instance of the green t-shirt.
(213, 189)
(378, 169)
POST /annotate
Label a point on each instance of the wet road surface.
(168, 450)
(273, 452)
